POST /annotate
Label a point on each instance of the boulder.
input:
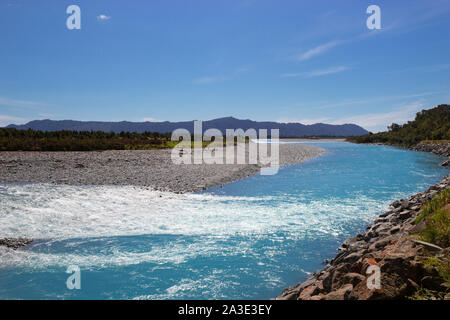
(15, 243)
(308, 292)
(446, 163)
(340, 294)
(429, 246)
(353, 278)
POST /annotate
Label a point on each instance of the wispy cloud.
(318, 50)
(320, 105)
(8, 102)
(149, 119)
(374, 121)
(316, 73)
(209, 79)
(103, 17)
(6, 120)
(221, 77)
(422, 15)
(304, 120)
(380, 120)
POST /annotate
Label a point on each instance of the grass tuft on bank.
(435, 214)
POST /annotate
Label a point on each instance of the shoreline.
(148, 168)
(388, 244)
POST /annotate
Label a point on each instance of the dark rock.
(380, 244)
(395, 229)
(15, 243)
(353, 257)
(353, 278)
(289, 296)
(387, 213)
(380, 220)
(404, 214)
(340, 294)
(405, 204)
(431, 282)
(396, 204)
(308, 292)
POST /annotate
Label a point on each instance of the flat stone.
(404, 214)
(387, 213)
(379, 244)
(428, 245)
(395, 229)
(353, 278)
(340, 294)
(405, 204)
(353, 256)
(308, 292)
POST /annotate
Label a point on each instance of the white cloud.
(6, 120)
(334, 43)
(373, 121)
(303, 120)
(209, 79)
(321, 105)
(103, 17)
(19, 103)
(149, 119)
(317, 50)
(221, 77)
(380, 120)
(316, 73)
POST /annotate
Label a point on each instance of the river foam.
(248, 239)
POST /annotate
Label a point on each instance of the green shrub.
(437, 219)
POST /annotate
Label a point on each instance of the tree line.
(67, 140)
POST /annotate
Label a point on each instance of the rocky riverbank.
(439, 148)
(389, 243)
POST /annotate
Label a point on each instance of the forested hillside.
(432, 124)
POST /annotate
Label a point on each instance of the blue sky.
(287, 61)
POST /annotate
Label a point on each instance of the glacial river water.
(246, 240)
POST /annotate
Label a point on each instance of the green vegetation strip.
(436, 214)
(33, 140)
(66, 140)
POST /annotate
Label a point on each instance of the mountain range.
(286, 129)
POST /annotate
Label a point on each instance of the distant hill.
(286, 129)
(432, 124)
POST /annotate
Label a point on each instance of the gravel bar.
(152, 168)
